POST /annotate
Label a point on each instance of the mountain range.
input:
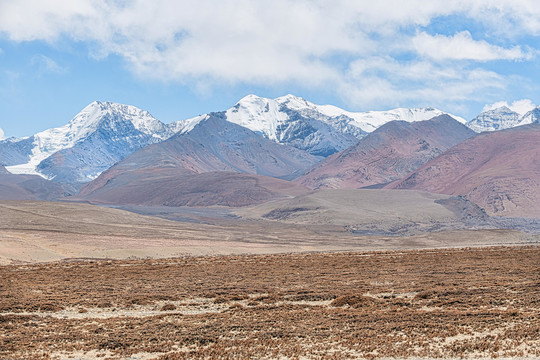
(104, 133)
(266, 149)
(499, 171)
(387, 154)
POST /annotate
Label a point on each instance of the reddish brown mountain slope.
(387, 154)
(499, 171)
(30, 187)
(217, 163)
(171, 187)
(218, 145)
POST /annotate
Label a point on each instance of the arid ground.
(33, 232)
(86, 282)
(447, 303)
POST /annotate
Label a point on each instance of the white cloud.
(205, 42)
(421, 82)
(508, 18)
(47, 65)
(520, 106)
(2, 136)
(462, 46)
(495, 105)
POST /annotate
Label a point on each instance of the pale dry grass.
(462, 303)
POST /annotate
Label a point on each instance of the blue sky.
(178, 59)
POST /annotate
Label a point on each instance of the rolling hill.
(499, 171)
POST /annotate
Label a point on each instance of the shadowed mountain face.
(3, 170)
(16, 151)
(96, 153)
(218, 145)
(499, 171)
(389, 153)
(30, 187)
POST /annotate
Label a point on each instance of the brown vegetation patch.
(433, 303)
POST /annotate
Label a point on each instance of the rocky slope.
(171, 187)
(31, 187)
(218, 145)
(389, 153)
(216, 163)
(499, 171)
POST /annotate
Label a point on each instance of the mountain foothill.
(263, 150)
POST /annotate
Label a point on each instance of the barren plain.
(446, 303)
(83, 282)
(33, 231)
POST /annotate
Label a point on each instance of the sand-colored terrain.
(79, 281)
(368, 211)
(50, 231)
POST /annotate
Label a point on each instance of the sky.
(178, 59)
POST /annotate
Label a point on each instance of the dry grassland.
(476, 302)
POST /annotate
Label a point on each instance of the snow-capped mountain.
(319, 129)
(496, 119)
(531, 117)
(103, 133)
(503, 118)
(96, 138)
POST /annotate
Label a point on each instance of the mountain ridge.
(319, 129)
(216, 163)
(503, 118)
(387, 154)
(499, 171)
(128, 124)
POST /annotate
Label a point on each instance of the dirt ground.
(33, 232)
(444, 303)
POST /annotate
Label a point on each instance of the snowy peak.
(368, 121)
(96, 112)
(258, 114)
(294, 102)
(496, 119)
(101, 124)
(503, 118)
(531, 117)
